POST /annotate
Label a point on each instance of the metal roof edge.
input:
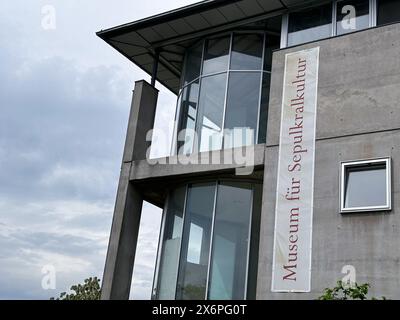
(164, 17)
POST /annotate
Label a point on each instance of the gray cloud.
(64, 100)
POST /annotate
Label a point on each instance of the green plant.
(89, 290)
(344, 291)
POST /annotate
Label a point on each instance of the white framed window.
(365, 185)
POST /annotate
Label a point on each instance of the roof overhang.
(165, 37)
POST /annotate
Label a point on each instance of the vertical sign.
(291, 270)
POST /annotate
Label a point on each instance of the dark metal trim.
(164, 17)
(155, 68)
(219, 28)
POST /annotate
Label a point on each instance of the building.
(308, 92)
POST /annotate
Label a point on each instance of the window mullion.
(334, 18)
(226, 93)
(284, 30)
(373, 14)
(198, 111)
(249, 241)
(211, 240)
(257, 133)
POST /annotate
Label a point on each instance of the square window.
(365, 186)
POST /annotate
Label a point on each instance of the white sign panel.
(294, 200)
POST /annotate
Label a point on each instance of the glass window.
(352, 15)
(187, 121)
(366, 185)
(388, 11)
(242, 109)
(309, 25)
(223, 217)
(204, 106)
(231, 240)
(247, 52)
(196, 242)
(211, 103)
(193, 62)
(171, 245)
(216, 55)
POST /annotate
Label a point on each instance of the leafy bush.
(343, 291)
(89, 290)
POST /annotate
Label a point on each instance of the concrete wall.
(358, 118)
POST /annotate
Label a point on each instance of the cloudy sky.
(64, 99)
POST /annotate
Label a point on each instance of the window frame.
(373, 12)
(344, 165)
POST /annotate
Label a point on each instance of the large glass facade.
(222, 100)
(210, 242)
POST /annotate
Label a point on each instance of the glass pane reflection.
(230, 245)
(366, 187)
(187, 121)
(196, 242)
(388, 11)
(352, 15)
(242, 109)
(171, 245)
(211, 103)
(193, 63)
(217, 55)
(247, 52)
(309, 25)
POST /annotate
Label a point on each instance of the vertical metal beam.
(373, 8)
(334, 18)
(257, 133)
(206, 294)
(249, 242)
(156, 60)
(285, 31)
(228, 73)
